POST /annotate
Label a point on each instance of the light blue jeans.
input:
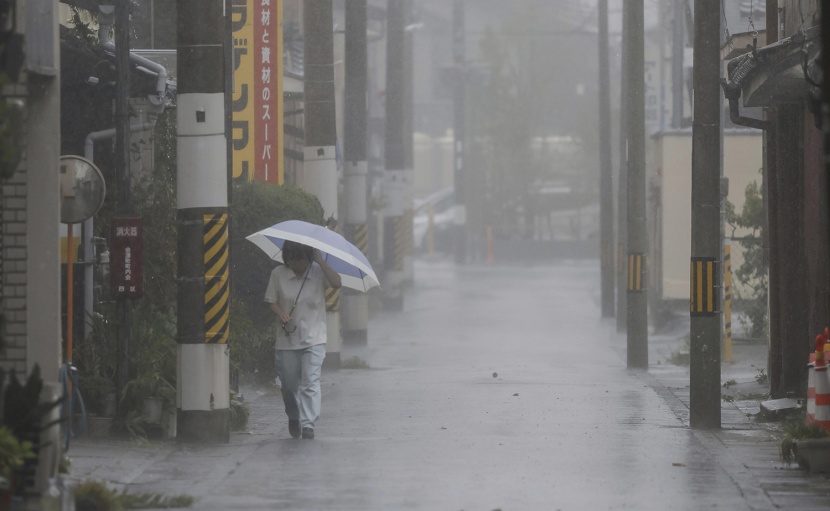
(299, 372)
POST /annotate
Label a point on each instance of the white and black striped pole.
(355, 313)
(203, 394)
(319, 161)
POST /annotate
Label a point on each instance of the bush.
(25, 417)
(256, 206)
(95, 496)
(95, 391)
(751, 287)
(13, 453)
(253, 206)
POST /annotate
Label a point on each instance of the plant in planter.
(147, 397)
(97, 392)
(94, 358)
(22, 416)
(239, 412)
(13, 454)
(795, 432)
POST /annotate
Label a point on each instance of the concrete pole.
(355, 313)
(606, 185)
(408, 131)
(396, 177)
(320, 165)
(203, 368)
(825, 93)
(637, 261)
(771, 238)
(459, 57)
(678, 44)
(121, 162)
(705, 398)
(622, 185)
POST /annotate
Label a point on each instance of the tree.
(751, 279)
(531, 90)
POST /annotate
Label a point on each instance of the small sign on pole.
(127, 257)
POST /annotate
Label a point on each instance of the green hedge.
(256, 206)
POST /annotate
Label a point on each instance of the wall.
(13, 261)
(742, 160)
(30, 271)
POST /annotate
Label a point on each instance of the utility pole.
(203, 364)
(408, 149)
(606, 185)
(319, 159)
(637, 263)
(121, 162)
(678, 45)
(356, 305)
(825, 92)
(622, 184)
(459, 131)
(396, 177)
(705, 273)
(771, 230)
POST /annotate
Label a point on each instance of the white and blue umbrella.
(343, 257)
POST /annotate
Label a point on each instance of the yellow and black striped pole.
(217, 305)
(705, 287)
(203, 363)
(637, 272)
(727, 302)
(332, 294)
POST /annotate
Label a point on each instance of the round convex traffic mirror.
(82, 189)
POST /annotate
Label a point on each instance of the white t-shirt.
(310, 313)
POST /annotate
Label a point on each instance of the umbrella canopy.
(343, 257)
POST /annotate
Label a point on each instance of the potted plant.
(146, 397)
(99, 399)
(22, 421)
(13, 454)
(807, 444)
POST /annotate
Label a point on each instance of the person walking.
(296, 294)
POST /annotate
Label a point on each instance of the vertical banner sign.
(257, 95)
(243, 104)
(127, 257)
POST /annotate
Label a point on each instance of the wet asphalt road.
(495, 388)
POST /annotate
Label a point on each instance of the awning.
(774, 73)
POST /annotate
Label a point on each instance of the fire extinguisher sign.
(127, 257)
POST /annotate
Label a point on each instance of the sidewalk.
(522, 426)
(746, 447)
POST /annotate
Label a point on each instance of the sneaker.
(308, 433)
(294, 428)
